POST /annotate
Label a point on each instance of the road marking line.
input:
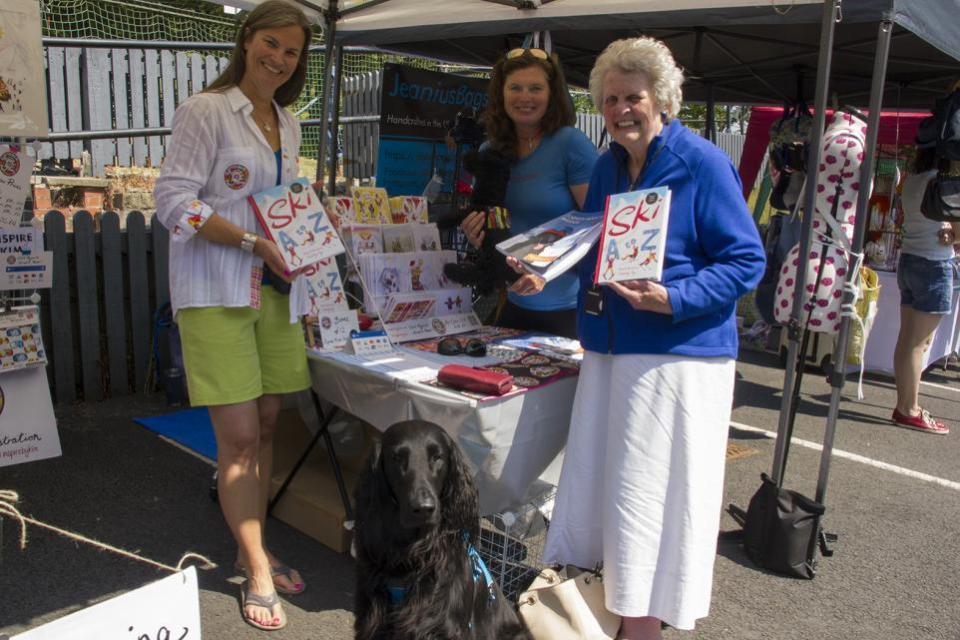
(940, 386)
(840, 453)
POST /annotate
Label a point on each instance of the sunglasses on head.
(519, 51)
(453, 347)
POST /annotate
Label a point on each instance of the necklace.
(532, 141)
(263, 125)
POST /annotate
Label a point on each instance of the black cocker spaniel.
(418, 574)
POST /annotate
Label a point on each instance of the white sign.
(22, 241)
(335, 327)
(23, 96)
(15, 168)
(28, 428)
(432, 327)
(34, 271)
(167, 609)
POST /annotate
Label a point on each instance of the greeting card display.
(398, 238)
(426, 237)
(21, 344)
(405, 209)
(324, 287)
(371, 205)
(342, 207)
(634, 235)
(292, 216)
(362, 238)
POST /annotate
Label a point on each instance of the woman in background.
(238, 315)
(530, 117)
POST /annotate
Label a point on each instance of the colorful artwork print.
(371, 205)
(426, 237)
(21, 343)
(325, 287)
(236, 176)
(398, 238)
(634, 236)
(404, 209)
(291, 215)
(342, 207)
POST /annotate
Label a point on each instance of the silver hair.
(641, 55)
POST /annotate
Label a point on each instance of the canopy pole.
(335, 137)
(710, 124)
(330, 15)
(831, 10)
(837, 376)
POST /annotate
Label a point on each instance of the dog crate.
(511, 542)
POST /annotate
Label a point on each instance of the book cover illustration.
(634, 236)
(325, 287)
(334, 328)
(404, 209)
(21, 343)
(426, 237)
(291, 216)
(551, 248)
(371, 205)
(453, 301)
(401, 307)
(398, 238)
(342, 207)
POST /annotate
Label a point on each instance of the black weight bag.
(781, 530)
(941, 131)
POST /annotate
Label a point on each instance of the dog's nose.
(424, 503)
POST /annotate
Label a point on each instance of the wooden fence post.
(141, 323)
(61, 330)
(113, 304)
(88, 305)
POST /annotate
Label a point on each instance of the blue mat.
(191, 428)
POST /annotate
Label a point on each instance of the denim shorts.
(926, 285)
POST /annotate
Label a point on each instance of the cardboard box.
(311, 503)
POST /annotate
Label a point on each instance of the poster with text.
(28, 428)
(417, 108)
(167, 609)
(23, 96)
(15, 168)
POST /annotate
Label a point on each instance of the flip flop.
(267, 602)
(282, 570)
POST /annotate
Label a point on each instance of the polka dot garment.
(840, 160)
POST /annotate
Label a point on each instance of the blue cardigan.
(713, 253)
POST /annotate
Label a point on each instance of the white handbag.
(571, 609)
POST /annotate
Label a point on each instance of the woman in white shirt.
(239, 322)
(925, 275)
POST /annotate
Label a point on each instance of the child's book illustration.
(426, 237)
(371, 205)
(291, 216)
(551, 248)
(406, 209)
(398, 238)
(634, 236)
(325, 287)
(362, 238)
(342, 206)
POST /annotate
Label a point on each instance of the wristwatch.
(248, 241)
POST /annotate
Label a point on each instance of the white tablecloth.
(883, 337)
(510, 441)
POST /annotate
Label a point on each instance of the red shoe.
(923, 421)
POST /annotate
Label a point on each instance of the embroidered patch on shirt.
(9, 164)
(256, 283)
(236, 176)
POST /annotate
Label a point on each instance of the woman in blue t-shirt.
(530, 116)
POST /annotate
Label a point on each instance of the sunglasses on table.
(519, 51)
(453, 347)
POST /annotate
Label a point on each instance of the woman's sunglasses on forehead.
(519, 51)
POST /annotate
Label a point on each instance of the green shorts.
(236, 354)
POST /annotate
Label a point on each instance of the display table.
(511, 441)
(883, 336)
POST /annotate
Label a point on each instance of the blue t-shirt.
(539, 190)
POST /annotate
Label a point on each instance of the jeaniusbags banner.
(417, 109)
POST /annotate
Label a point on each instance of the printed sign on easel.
(167, 609)
(23, 96)
(28, 428)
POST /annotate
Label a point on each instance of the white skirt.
(642, 481)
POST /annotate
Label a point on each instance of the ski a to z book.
(293, 217)
(634, 235)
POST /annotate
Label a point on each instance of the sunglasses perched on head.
(519, 51)
(453, 347)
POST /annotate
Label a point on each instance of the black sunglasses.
(453, 347)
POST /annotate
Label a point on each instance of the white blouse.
(216, 158)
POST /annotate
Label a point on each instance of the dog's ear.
(461, 504)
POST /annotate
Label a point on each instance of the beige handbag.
(572, 609)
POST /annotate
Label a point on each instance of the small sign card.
(21, 241)
(168, 609)
(336, 328)
(28, 428)
(34, 271)
(15, 167)
(370, 343)
(424, 328)
(21, 344)
(634, 235)
(293, 217)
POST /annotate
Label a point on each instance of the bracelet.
(248, 241)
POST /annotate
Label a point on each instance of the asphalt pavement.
(893, 498)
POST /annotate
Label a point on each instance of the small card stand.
(370, 343)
